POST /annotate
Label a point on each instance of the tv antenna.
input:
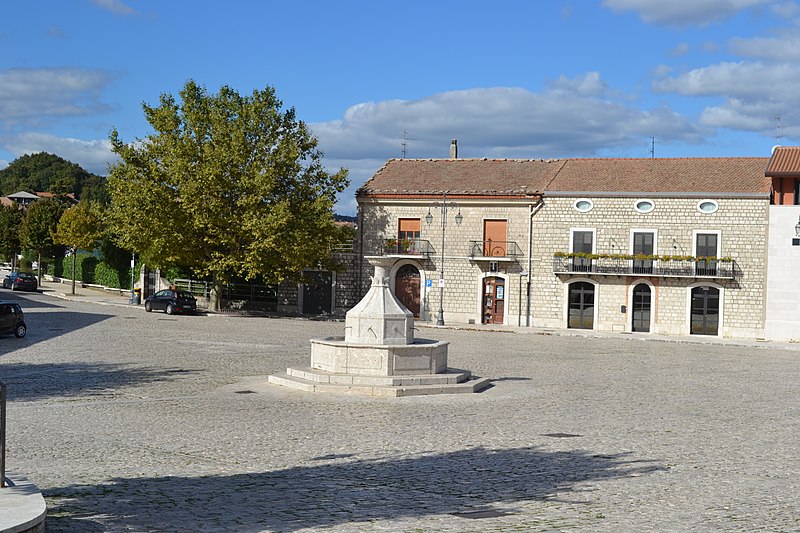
(778, 135)
(404, 144)
(652, 147)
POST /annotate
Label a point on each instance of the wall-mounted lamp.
(797, 227)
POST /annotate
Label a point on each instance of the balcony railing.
(664, 267)
(494, 249)
(417, 247)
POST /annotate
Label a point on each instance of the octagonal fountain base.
(379, 370)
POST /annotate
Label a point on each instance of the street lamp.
(444, 205)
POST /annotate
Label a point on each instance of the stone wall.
(741, 224)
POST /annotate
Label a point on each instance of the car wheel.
(148, 306)
(20, 331)
(13, 286)
(170, 310)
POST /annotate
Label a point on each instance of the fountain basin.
(422, 356)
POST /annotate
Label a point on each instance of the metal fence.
(235, 296)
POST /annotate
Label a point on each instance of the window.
(643, 244)
(707, 206)
(706, 245)
(644, 206)
(408, 232)
(582, 243)
(583, 205)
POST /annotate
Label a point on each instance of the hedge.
(90, 269)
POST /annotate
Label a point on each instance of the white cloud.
(573, 117)
(683, 12)
(93, 156)
(780, 48)
(115, 6)
(752, 94)
(34, 95)
(680, 50)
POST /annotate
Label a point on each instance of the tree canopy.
(79, 227)
(51, 173)
(227, 185)
(10, 221)
(40, 221)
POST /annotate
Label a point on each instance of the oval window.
(583, 205)
(707, 206)
(644, 206)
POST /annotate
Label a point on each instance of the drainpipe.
(532, 211)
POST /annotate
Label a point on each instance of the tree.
(38, 224)
(50, 173)
(10, 221)
(79, 227)
(227, 185)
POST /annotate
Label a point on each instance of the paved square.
(130, 421)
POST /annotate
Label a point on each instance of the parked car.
(171, 301)
(12, 319)
(23, 281)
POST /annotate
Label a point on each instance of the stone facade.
(539, 231)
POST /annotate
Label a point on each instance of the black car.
(22, 281)
(171, 301)
(12, 319)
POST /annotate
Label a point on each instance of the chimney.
(454, 149)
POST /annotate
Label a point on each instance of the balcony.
(494, 250)
(646, 266)
(414, 248)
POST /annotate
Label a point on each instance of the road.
(134, 421)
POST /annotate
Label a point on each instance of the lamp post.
(444, 205)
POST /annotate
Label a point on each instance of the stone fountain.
(378, 355)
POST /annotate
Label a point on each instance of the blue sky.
(517, 79)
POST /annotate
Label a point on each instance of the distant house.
(24, 199)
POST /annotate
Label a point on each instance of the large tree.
(79, 227)
(36, 231)
(227, 185)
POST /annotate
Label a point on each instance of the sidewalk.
(105, 297)
(86, 294)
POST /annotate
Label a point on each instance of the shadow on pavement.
(473, 483)
(47, 325)
(64, 380)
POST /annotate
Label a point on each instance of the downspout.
(532, 210)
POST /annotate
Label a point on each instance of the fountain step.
(320, 381)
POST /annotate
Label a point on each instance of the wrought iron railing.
(2, 435)
(721, 268)
(490, 248)
(407, 247)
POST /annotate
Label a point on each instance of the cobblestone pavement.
(142, 422)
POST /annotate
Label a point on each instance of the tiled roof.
(517, 177)
(695, 175)
(495, 177)
(785, 162)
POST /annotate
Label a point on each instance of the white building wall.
(783, 271)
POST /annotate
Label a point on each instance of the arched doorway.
(407, 288)
(581, 305)
(641, 308)
(494, 300)
(705, 311)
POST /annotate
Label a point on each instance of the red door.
(407, 288)
(494, 300)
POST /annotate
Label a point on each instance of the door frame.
(424, 308)
(688, 326)
(565, 301)
(653, 300)
(506, 283)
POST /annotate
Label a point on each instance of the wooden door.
(407, 288)
(494, 238)
(494, 300)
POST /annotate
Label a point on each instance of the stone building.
(667, 246)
